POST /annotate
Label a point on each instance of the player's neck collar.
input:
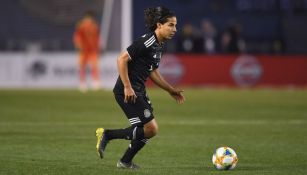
(160, 43)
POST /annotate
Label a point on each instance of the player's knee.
(151, 131)
(154, 131)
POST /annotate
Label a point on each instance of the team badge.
(147, 113)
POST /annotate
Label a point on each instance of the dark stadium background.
(263, 21)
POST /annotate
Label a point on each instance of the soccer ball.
(224, 158)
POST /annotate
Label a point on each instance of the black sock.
(132, 132)
(118, 133)
(133, 149)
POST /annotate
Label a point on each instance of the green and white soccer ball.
(224, 158)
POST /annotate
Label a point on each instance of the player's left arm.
(158, 79)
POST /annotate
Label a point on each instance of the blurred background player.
(86, 40)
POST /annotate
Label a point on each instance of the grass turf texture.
(52, 132)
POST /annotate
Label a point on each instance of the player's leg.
(149, 127)
(82, 72)
(134, 147)
(150, 130)
(135, 131)
(95, 71)
(106, 135)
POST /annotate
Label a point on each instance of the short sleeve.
(136, 49)
(155, 65)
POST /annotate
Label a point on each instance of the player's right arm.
(122, 65)
(77, 37)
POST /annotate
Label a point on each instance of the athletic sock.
(134, 147)
(130, 133)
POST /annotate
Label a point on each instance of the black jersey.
(145, 54)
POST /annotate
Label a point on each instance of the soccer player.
(86, 40)
(140, 61)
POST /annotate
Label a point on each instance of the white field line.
(235, 122)
(177, 122)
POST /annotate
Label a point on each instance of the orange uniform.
(86, 39)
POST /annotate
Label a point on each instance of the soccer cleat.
(130, 165)
(101, 141)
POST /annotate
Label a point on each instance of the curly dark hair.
(156, 15)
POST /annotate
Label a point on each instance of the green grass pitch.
(52, 132)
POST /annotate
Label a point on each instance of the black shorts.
(138, 113)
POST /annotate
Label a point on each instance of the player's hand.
(178, 95)
(129, 95)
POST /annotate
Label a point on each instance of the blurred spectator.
(232, 41)
(188, 41)
(208, 33)
(86, 40)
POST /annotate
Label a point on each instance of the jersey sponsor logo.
(150, 41)
(246, 71)
(147, 113)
